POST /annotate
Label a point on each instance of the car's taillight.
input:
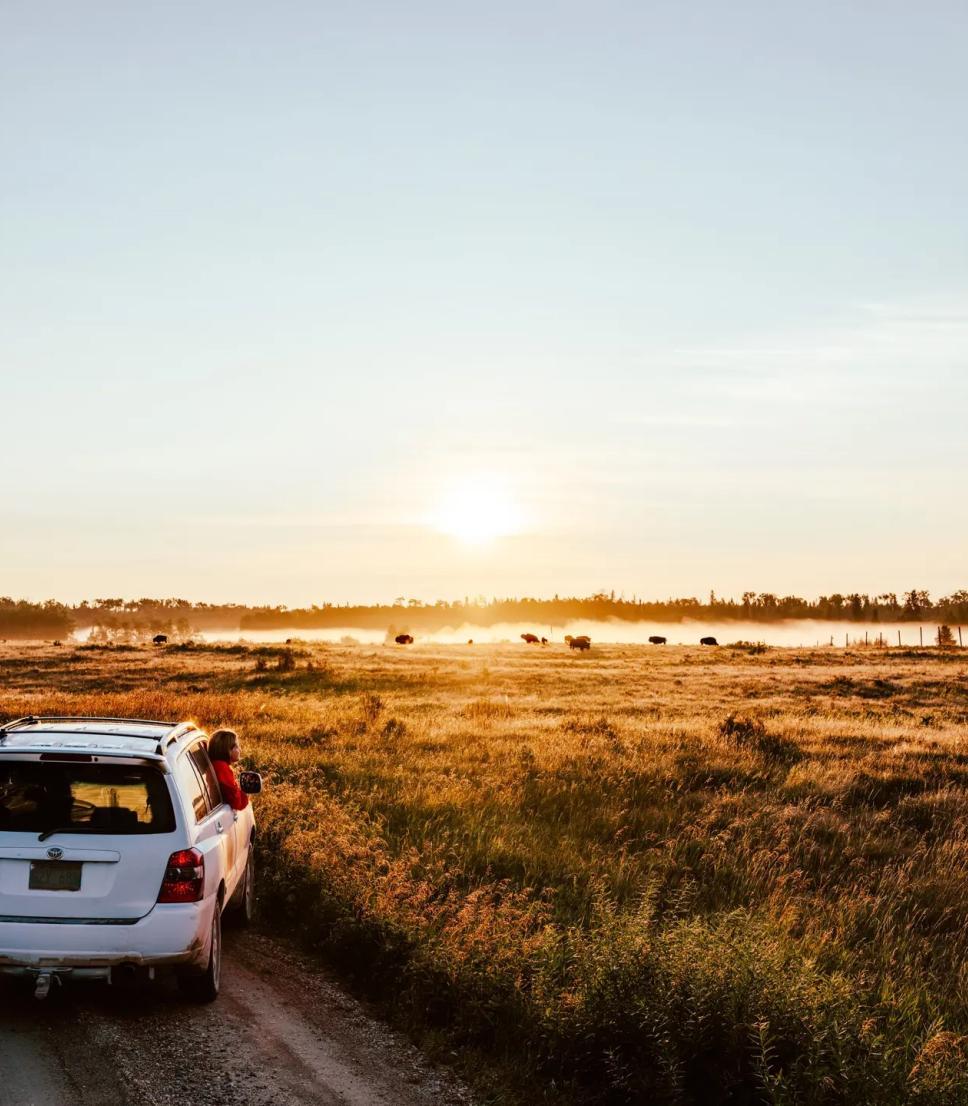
(184, 877)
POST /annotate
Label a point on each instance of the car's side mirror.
(250, 782)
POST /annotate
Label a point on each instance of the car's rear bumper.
(171, 933)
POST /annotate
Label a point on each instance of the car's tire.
(241, 909)
(201, 985)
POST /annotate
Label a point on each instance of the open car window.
(203, 765)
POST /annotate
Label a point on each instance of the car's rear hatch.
(82, 838)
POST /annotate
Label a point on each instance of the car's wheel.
(202, 985)
(242, 907)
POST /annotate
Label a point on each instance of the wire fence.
(941, 637)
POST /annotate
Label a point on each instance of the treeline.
(20, 619)
(113, 617)
(158, 616)
(913, 606)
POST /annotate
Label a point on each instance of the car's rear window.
(83, 798)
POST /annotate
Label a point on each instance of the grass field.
(634, 876)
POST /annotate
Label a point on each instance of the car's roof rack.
(30, 719)
(179, 732)
(177, 729)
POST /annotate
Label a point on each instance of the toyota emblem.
(55, 853)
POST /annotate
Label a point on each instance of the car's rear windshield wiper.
(63, 829)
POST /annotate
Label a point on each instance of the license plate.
(55, 875)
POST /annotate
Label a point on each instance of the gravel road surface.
(281, 1034)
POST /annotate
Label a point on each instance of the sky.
(324, 301)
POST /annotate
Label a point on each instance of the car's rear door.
(235, 854)
(82, 837)
(227, 820)
(211, 832)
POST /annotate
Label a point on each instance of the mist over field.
(791, 633)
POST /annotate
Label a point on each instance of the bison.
(530, 639)
(160, 639)
(708, 641)
(404, 639)
(581, 643)
(544, 641)
(656, 640)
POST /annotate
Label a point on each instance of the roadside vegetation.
(668, 875)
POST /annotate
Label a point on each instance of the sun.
(478, 510)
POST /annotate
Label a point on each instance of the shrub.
(597, 727)
(371, 706)
(393, 729)
(940, 1072)
(751, 734)
(483, 711)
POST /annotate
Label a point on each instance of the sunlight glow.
(478, 510)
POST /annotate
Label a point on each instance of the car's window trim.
(185, 756)
(217, 800)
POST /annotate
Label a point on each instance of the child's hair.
(220, 744)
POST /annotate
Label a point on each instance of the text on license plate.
(55, 875)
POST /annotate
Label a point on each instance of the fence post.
(959, 637)
(899, 637)
(921, 633)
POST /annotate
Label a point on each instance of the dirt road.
(280, 1034)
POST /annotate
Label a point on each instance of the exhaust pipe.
(123, 975)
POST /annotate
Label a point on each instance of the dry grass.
(639, 875)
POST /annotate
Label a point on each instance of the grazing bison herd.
(582, 642)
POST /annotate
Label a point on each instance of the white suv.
(117, 853)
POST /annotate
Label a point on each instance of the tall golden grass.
(664, 876)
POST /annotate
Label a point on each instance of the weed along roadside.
(666, 876)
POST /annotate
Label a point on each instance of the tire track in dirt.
(281, 1034)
